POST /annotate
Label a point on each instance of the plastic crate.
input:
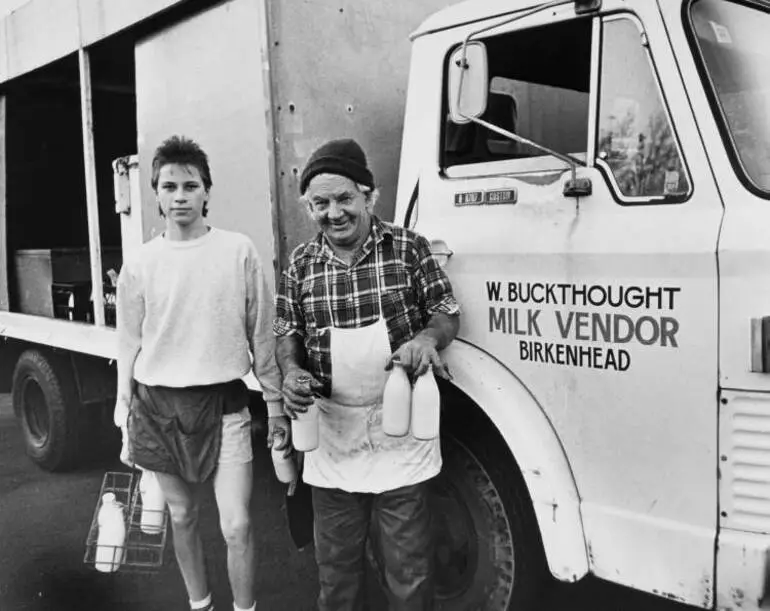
(141, 551)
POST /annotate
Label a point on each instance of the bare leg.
(183, 503)
(232, 487)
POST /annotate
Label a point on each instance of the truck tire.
(489, 554)
(48, 411)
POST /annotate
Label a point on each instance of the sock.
(252, 608)
(201, 604)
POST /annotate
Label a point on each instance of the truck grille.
(745, 462)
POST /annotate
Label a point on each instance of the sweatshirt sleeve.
(130, 315)
(259, 317)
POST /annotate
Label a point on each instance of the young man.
(359, 295)
(193, 309)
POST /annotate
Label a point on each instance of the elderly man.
(360, 294)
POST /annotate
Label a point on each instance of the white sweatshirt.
(195, 309)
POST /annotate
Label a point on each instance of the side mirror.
(468, 82)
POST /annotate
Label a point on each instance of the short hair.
(182, 151)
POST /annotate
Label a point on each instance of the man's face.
(340, 209)
(181, 194)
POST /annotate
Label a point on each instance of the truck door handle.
(760, 344)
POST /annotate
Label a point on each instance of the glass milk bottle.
(426, 407)
(396, 402)
(153, 504)
(112, 535)
(285, 469)
(304, 428)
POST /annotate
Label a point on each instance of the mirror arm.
(516, 17)
(575, 187)
(572, 161)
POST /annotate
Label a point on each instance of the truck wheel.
(47, 410)
(488, 549)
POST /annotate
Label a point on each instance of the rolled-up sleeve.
(289, 319)
(435, 289)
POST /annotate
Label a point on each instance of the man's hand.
(120, 415)
(417, 355)
(125, 448)
(279, 434)
(298, 395)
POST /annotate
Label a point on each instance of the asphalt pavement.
(44, 523)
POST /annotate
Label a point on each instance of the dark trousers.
(400, 522)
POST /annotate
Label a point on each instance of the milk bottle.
(396, 402)
(426, 407)
(112, 535)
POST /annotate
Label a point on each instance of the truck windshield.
(731, 38)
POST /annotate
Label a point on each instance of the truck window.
(637, 147)
(538, 88)
(735, 61)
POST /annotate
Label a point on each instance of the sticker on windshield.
(721, 33)
(671, 183)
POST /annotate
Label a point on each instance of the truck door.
(604, 306)
(648, 433)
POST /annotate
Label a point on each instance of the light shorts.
(236, 438)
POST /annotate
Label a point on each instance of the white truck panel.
(41, 31)
(36, 34)
(60, 333)
(74, 336)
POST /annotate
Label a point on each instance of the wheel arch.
(536, 448)
(10, 351)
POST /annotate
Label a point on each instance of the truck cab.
(595, 175)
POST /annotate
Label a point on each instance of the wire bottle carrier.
(142, 551)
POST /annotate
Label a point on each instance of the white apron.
(354, 454)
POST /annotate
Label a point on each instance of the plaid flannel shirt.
(319, 290)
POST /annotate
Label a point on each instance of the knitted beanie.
(344, 157)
